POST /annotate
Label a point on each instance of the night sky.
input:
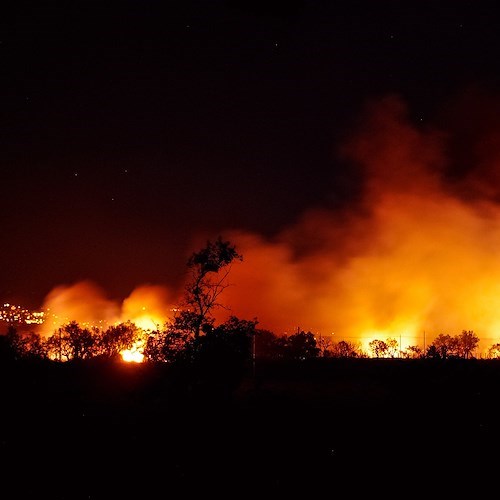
(132, 131)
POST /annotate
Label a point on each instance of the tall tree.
(208, 270)
(468, 342)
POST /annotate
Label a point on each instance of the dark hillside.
(115, 430)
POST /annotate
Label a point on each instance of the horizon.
(349, 152)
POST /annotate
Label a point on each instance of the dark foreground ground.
(329, 428)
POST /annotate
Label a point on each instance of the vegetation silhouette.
(232, 409)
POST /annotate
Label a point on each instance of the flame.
(148, 306)
(134, 354)
(413, 256)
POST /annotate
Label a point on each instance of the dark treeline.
(236, 339)
(231, 410)
(193, 335)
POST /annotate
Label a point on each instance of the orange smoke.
(83, 302)
(148, 306)
(410, 260)
(414, 256)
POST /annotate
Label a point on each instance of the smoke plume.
(415, 254)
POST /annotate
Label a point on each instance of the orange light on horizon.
(414, 256)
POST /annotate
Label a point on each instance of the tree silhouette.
(344, 349)
(454, 346)
(117, 338)
(208, 268)
(265, 344)
(392, 347)
(72, 342)
(467, 343)
(494, 351)
(301, 345)
(26, 345)
(169, 344)
(379, 348)
(219, 359)
(231, 340)
(413, 352)
(324, 343)
(432, 352)
(444, 346)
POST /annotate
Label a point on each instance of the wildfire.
(147, 307)
(417, 252)
(134, 354)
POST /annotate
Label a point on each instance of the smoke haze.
(413, 256)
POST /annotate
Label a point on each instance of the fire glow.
(415, 256)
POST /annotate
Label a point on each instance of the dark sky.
(130, 128)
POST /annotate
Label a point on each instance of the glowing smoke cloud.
(415, 256)
(83, 302)
(411, 259)
(148, 306)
